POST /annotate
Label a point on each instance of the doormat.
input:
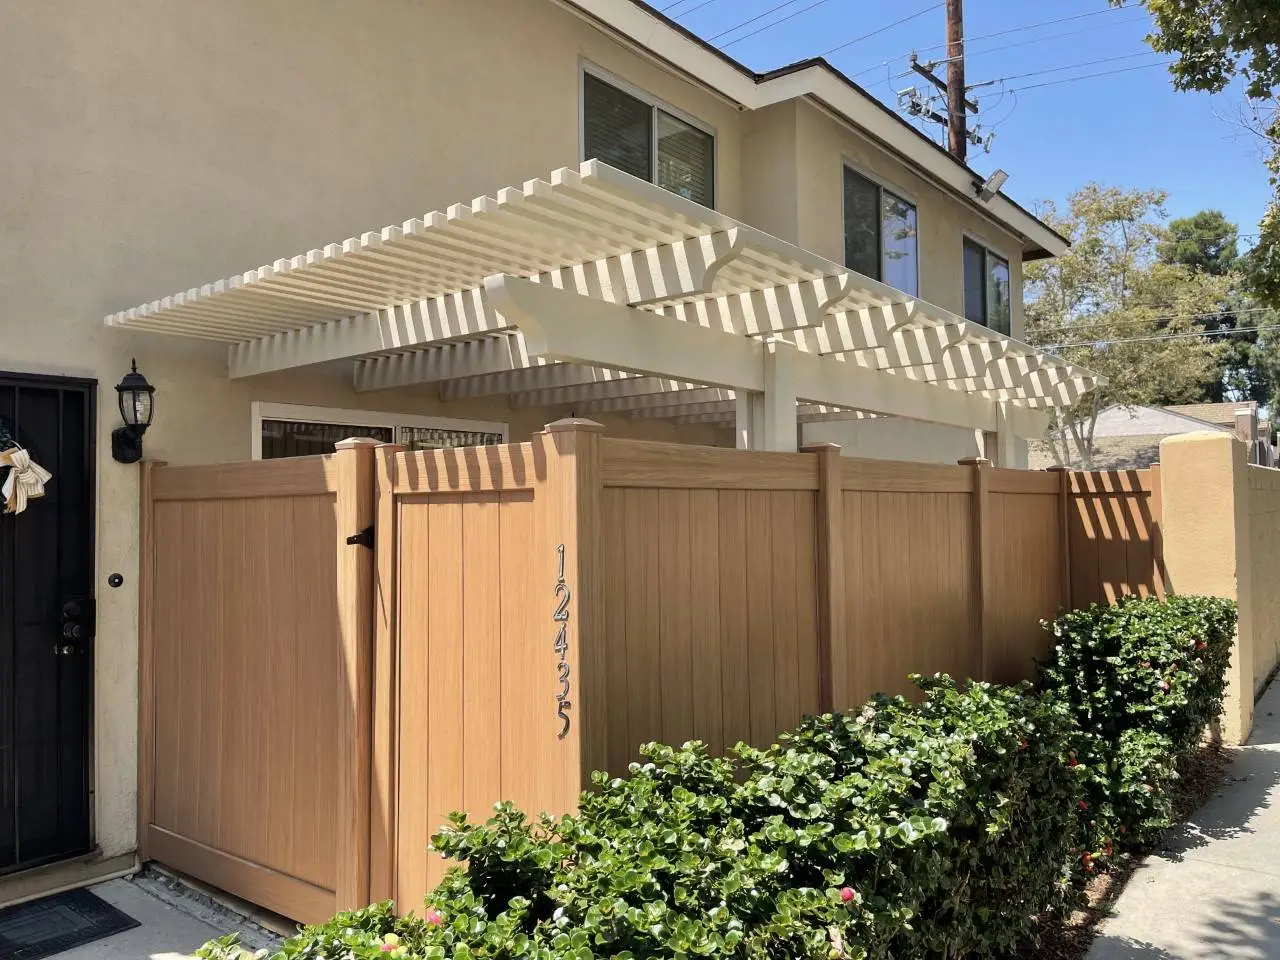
(41, 928)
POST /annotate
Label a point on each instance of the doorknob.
(64, 650)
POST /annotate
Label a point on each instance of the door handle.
(64, 650)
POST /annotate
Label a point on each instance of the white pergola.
(606, 292)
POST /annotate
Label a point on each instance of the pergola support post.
(749, 416)
(780, 421)
(998, 445)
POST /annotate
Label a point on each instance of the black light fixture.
(136, 409)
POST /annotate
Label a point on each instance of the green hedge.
(1143, 679)
(936, 829)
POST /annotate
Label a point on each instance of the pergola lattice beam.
(569, 327)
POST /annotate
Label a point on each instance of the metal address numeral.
(561, 616)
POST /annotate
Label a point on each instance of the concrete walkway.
(1214, 891)
(173, 925)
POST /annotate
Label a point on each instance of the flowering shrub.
(931, 830)
(1143, 680)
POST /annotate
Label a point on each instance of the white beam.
(568, 327)
(470, 359)
(678, 394)
(551, 374)
(564, 326)
(464, 316)
(628, 385)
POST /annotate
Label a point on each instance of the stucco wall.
(825, 145)
(158, 145)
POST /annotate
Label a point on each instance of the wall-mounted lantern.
(136, 409)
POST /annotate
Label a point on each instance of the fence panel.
(241, 679)
(1026, 571)
(472, 666)
(1264, 553)
(709, 567)
(910, 576)
(1114, 547)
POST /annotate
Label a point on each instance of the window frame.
(655, 104)
(881, 184)
(988, 250)
(261, 410)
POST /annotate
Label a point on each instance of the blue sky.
(1129, 129)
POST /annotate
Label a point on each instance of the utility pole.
(957, 127)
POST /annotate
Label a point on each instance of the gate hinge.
(362, 539)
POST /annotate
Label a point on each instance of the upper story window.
(880, 233)
(988, 297)
(642, 138)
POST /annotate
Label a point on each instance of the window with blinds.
(646, 141)
(988, 293)
(294, 438)
(880, 233)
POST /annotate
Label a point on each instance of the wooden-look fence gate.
(339, 651)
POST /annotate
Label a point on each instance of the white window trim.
(302, 413)
(893, 188)
(995, 251)
(600, 73)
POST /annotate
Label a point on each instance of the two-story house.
(156, 146)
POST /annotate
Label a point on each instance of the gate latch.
(362, 539)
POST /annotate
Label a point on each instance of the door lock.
(64, 650)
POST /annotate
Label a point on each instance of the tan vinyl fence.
(337, 652)
(244, 781)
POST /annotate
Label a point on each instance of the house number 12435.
(561, 617)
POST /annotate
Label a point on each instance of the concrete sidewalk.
(173, 923)
(1214, 890)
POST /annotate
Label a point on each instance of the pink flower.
(1083, 805)
(1164, 685)
(1022, 744)
(434, 918)
(848, 894)
(388, 947)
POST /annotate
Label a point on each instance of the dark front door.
(47, 626)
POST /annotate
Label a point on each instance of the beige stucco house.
(156, 146)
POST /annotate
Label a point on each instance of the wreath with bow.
(21, 478)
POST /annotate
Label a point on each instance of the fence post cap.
(820, 447)
(355, 443)
(974, 462)
(1056, 469)
(570, 424)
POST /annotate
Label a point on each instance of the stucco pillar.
(1204, 490)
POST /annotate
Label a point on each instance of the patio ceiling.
(602, 290)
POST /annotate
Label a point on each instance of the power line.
(1087, 324)
(770, 26)
(1028, 26)
(1009, 46)
(1071, 66)
(1090, 76)
(760, 16)
(1171, 336)
(696, 6)
(889, 26)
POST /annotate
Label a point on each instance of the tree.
(1205, 242)
(1216, 41)
(1110, 304)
